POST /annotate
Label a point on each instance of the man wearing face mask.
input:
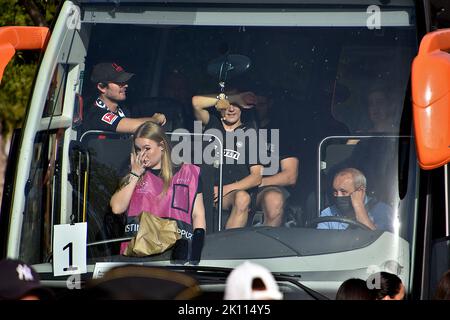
(351, 201)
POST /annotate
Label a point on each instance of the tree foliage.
(17, 80)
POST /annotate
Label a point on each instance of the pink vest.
(177, 203)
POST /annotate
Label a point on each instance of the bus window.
(368, 96)
(55, 97)
(41, 207)
(375, 172)
(328, 77)
(318, 79)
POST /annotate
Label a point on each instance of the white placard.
(101, 267)
(69, 249)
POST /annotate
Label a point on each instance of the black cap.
(18, 279)
(109, 72)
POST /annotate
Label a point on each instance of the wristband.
(221, 96)
(134, 174)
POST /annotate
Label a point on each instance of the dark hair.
(390, 285)
(443, 289)
(354, 289)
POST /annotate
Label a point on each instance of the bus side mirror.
(19, 38)
(430, 82)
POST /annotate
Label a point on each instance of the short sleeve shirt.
(99, 117)
(237, 158)
(277, 147)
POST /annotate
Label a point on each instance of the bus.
(357, 84)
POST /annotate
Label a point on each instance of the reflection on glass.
(335, 97)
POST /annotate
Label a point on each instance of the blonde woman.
(156, 185)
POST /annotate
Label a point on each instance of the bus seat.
(110, 149)
(379, 168)
(293, 216)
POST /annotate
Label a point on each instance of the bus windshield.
(330, 84)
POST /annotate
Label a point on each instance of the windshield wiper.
(293, 279)
(216, 272)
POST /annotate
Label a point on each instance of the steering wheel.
(348, 221)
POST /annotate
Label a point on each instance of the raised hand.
(357, 198)
(222, 104)
(159, 118)
(137, 163)
(246, 100)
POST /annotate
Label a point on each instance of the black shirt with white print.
(279, 149)
(99, 117)
(233, 169)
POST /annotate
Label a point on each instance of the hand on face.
(246, 100)
(160, 118)
(343, 186)
(222, 104)
(138, 162)
(357, 198)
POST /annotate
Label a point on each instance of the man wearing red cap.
(112, 83)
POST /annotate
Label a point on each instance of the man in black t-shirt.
(273, 190)
(239, 177)
(105, 114)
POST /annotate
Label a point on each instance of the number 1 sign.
(69, 249)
